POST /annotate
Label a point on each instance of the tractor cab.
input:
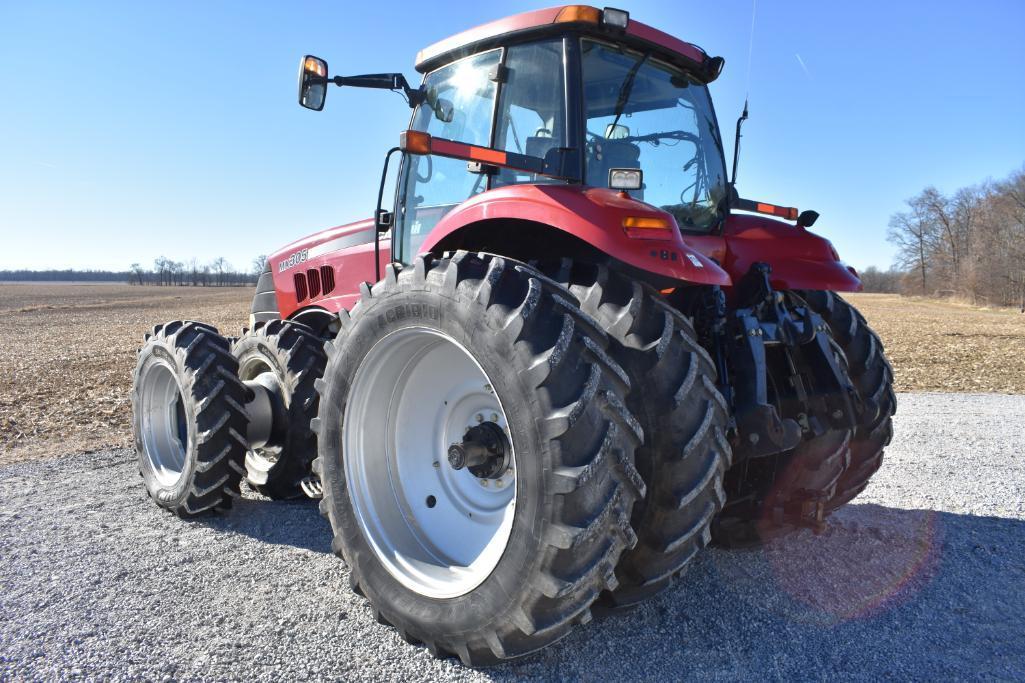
(586, 107)
(571, 96)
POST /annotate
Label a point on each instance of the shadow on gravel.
(882, 593)
(294, 523)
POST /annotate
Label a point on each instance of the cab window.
(459, 105)
(531, 109)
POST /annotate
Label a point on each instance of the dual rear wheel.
(480, 445)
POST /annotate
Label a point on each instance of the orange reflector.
(645, 222)
(315, 66)
(790, 213)
(415, 142)
(590, 15)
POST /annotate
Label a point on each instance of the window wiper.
(627, 88)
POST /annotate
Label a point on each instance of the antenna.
(736, 143)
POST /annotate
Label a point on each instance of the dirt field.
(67, 353)
(942, 346)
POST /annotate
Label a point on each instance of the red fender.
(594, 215)
(799, 259)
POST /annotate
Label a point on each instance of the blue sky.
(131, 130)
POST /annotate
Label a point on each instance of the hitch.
(823, 395)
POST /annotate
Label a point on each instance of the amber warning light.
(787, 212)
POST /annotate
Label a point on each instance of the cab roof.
(582, 18)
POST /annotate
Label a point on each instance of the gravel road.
(923, 577)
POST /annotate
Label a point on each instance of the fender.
(799, 259)
(594, 215)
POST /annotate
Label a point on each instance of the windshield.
(642, 113)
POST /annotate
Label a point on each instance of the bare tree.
(220, 266)
(914, 235)
(970, 243)
(259, 265)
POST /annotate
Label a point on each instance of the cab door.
(459, 105)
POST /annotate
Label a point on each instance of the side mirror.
(616, 132)
(444, 110)
(312, 82)
(807, 218)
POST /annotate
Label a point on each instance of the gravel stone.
(922, 577)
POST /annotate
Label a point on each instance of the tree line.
(165, 272)
(217, 273)
(969, 244)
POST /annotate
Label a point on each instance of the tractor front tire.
(873, 378)
(673, 395)
(289, 357)
(188, 418)
(498, 562)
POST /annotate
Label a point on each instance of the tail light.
(647, 227)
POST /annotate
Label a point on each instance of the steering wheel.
(430, 169)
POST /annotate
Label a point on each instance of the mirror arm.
(394, 81)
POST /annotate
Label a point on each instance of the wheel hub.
(484, 451)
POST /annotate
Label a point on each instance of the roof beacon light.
(626, 178)
(615, 18)
(581, 13)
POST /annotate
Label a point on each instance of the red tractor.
(563, 359)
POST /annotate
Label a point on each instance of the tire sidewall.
(471, 324)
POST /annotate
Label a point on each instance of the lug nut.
(480, 418)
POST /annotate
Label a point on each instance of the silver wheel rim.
(164, 424)
(437, 530)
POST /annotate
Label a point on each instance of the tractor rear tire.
(685, 453)
(452, 334)
(293, 355)
(188, 418)
(873, 378)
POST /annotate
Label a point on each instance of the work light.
(626, 178)
(615, 18)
